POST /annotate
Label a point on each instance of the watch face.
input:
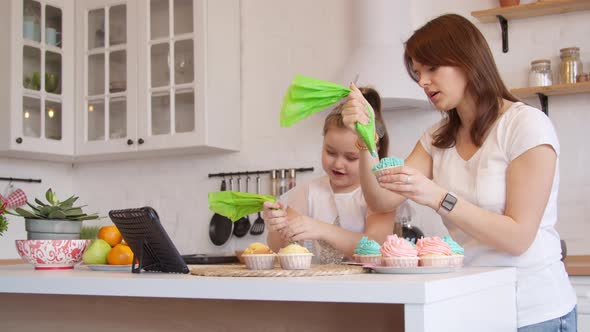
(449, 202)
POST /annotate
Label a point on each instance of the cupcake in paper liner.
(295, 257)
(433, 251)
(387, 163)
(367, 252)
(398, 252)
(259, 256)
(457, 252)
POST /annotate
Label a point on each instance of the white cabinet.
(157, 76)
(582, 286)
(38, 88)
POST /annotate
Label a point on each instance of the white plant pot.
(52, 229)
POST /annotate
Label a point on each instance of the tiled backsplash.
(275, 47)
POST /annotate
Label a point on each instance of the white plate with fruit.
(108, 252)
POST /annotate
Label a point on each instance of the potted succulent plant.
(55, 219)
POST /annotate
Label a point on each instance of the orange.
(110, 234)
(120, 255)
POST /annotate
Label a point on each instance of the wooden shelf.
(552, 90)
(540, 8)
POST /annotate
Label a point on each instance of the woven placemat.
(242, 271)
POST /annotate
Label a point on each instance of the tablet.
(152, 248)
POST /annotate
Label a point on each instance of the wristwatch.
(447, 204)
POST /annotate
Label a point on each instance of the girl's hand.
(303, 228)
(354, 109)
(412, 184)
(274, 216)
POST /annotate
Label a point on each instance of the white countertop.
(357, 288)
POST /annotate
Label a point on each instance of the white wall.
(283, 38)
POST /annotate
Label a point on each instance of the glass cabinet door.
(106, 74)
(171, 70)
(42, 71)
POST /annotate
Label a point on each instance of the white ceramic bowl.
(52, 254)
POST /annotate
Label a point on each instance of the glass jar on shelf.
(540, 73)
(570, 66)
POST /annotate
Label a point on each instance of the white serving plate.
(413, 270)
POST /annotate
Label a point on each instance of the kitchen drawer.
(582, 287)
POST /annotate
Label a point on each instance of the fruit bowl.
(52, 254)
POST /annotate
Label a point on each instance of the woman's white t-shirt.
(543, 288)
(317, 200)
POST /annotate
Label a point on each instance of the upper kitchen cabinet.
(37, 92)
(158, 76)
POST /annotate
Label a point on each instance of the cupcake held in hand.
(457, 252)
(295, 257)
(399, 252)
(367, 252)
(259, 256)
(433, 251)
(387, 163)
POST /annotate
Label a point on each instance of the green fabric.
(235, 205)
(307, 95)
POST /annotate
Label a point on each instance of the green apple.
(97, 252)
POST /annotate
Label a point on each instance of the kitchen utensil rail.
(224, 174)
(11, 179)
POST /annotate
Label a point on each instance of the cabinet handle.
(140, 141)
(130, 142)
(19, 140)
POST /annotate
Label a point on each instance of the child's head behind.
(340, 154)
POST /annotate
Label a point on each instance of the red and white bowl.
(52, 254)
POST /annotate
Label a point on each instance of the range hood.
(379, 30)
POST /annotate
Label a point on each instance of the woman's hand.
(303, 228)
(354, 109)
(412, 184)
(274, 216)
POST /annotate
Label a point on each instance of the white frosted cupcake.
(398, 252)
(433, 251)
(295, 257)
(259, 257)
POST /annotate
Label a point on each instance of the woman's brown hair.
(452, 40)
(334, 120)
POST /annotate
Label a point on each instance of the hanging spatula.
(258, 226)
(242, 226)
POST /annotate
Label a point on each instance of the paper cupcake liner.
(378, 172)
(400, 261)
(295, 261)
(456, 260)
(438, 261)
(259, 262)
(368, 259)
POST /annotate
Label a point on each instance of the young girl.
(489, 168)
(331, 210)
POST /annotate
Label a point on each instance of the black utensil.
(258, 226)
(242, 225)
(220, 227)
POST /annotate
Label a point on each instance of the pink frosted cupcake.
(433, 251)
(398, 252)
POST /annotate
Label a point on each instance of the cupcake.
(295, 257)
(258, 256)
(385, 163)
(367, 252)
(398, 252)
(433, 251)
(457, 252)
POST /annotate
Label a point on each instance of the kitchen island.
(469, 299)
